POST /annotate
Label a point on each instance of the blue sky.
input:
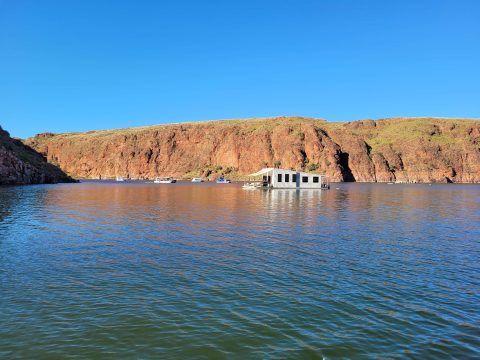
(81, 65)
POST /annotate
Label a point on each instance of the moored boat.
(197, 180)
(252, 185)
(222, 180)
(276, 178)
(119, 178)
(166, 180)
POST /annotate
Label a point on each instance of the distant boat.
(222, 180)
(119, 178)
(167, 180)
(197, 180)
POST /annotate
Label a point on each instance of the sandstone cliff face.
(20, 165)
(415, 149)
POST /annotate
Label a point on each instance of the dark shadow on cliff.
(346, 171)
(20, 164)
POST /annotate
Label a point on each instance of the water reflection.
(7, 199)
(189, 270)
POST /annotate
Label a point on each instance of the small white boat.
(197, 180)
(167, 180)
(252, 186)
(119, 178)
(222, 180)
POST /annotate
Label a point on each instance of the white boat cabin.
(290, 179)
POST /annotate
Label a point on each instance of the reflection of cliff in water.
(7, 199)
(18, 202)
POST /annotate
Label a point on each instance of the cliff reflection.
(226, 212)
(7, 199)
(181, 210)
(17, 202)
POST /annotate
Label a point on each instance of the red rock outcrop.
(21, 165)
(403, 149)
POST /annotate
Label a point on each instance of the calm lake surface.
(185, 270)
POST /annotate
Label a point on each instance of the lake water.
(185, 270)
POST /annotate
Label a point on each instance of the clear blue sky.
(82, 64)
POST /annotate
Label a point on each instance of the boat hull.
(171, 181)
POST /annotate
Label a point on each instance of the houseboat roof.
(261, 172)
(267, 170)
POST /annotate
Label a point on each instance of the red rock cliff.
(403, 149)
(21, 165)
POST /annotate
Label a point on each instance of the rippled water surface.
(205, 270)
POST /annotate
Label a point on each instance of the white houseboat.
(288, 179)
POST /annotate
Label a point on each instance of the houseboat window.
(315, 179)
(294, 178)
(305, 179)
(279, 178)
(287, 177)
